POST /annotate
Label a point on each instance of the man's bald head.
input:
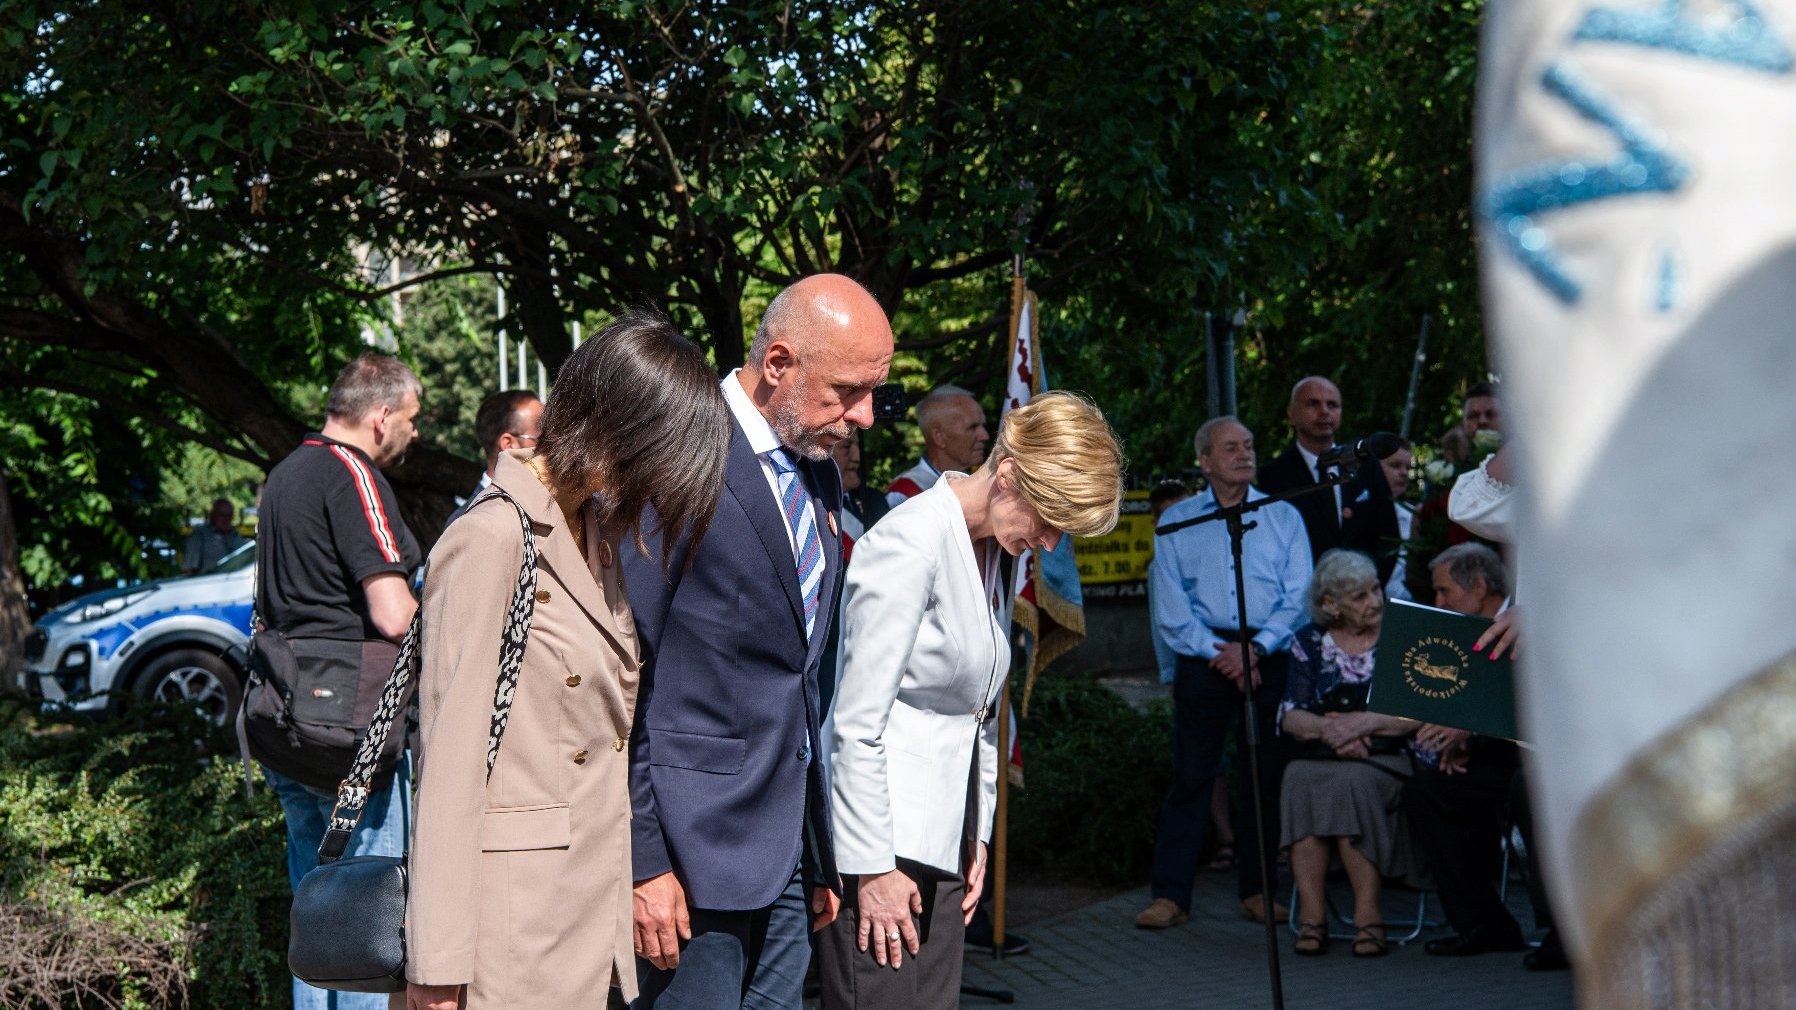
(1315, 412)
(822, 346)
(812, 312)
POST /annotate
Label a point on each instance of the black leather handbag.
(348, 920)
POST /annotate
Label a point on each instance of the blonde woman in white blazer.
(912, 738)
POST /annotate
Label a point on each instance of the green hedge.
(1095, 772)
(134, 834)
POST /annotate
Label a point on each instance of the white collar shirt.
(1192, 577)
(1309, 460)
(761, 441)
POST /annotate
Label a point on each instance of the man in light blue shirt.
(1192, 582)
(1164, 495)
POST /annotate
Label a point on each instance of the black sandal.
(1368, 944)
(1312, 939)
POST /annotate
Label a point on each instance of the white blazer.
(924, 655)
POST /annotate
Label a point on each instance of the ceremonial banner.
(1636, 206)
(1050, 608)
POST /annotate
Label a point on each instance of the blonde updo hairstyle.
(1066, 462)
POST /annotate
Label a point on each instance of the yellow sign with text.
(1122, 554)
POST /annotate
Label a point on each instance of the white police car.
(165, 639)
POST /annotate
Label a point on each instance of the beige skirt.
(1352, 799)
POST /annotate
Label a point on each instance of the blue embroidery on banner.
(1669, 291)
(1643, 166)
(1745, 41)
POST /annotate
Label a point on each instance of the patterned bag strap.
(352, 793)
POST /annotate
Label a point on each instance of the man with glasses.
(507, 420)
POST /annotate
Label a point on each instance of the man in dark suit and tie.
(1356, 515)
(730, 809)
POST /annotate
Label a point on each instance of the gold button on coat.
(573, 680)
(542, 596)
(619, 745)
(580, 756)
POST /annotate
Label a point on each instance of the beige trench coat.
(520, 886)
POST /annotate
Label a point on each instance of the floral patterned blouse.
(1318, 666)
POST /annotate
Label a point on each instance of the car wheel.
(195, 677)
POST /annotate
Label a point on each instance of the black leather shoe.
(1483, 940)
(1549, 956)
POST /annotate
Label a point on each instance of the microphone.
(1377, 445)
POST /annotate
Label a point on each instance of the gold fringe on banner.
(1065, 629)
(1688, 862)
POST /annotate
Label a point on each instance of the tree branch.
(369, 295)
(970, 265)
(60, 331)
(945, 339)
(137, 408)
(645, 113)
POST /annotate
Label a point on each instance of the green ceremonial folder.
(1425, 670)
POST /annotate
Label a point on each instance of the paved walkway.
(1094, 957)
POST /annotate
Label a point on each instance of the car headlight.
(110, 605)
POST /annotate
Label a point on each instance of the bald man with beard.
(730, 828)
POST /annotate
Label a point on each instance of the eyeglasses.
(530, 438)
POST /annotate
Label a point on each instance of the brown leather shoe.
(1254, 909)
(1161, 913)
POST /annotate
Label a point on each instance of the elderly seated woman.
(1341, 788)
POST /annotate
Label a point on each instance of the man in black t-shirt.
(337, 563)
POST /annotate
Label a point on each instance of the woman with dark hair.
(520, 863)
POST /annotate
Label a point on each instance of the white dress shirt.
(1406, 520)
(1194, 576)
(1309, 460)
(761, 441)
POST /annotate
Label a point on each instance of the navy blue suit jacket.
(725, 789)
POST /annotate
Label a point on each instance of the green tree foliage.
(1095, 772)
(119, 826)
(190, 195)
(85, 486)
(447, 331)
(1356, 165)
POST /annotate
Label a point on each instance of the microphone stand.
(1234, 515)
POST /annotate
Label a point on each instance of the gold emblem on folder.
(1436, 667)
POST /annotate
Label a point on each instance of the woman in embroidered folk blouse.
(1341, 792)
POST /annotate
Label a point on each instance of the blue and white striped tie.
(797, 505)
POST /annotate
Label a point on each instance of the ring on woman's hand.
(894, 936)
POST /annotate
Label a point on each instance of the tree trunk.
(534, 303)
(15, 616)
(722, 310)
(203, 366)
(427, 484)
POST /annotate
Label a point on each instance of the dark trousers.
(1205, 706)
(755, 960)
(1523, 812)
(1460, 820)
(927, 980)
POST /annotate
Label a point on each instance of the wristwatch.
(1259, 650)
